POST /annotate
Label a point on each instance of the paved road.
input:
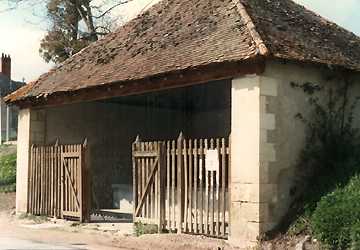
(7, 243)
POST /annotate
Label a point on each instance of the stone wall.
(287, 135)
(267, 141)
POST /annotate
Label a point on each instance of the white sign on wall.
(212, 160)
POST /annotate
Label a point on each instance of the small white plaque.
(212, 160)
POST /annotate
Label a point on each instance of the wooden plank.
(143, 170)
(211, 197)
(31, 181)
(162, 185)
(62, 184)
(223, 182)
(42, 193)
(147, 171)
(157, 187)
(135, 178)
(38, 182)
(80, 177)
(146, 154)
(140, 174)
(201, 184)
(173, 155)
(186, 185)
(191, 181)
(196, 177)
(46, 181)
(180, 185)
(152, 186)
(71, 214)
(58, 175)
(51, 181)
(168, 169)
(48, 170)
(33, 169)
(217, 189)
(206, 190)
(65, 185)
(229, 185)
(55, 181)
(147, 186)
(73, 192)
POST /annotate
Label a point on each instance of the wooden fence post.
(180, 184)
(135, 146)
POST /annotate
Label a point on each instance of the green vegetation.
(335, 220)
(328, 206)
(141, 228)
(8, 172)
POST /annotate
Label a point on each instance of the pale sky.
(21, 32)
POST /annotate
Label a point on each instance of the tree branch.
(111, 8)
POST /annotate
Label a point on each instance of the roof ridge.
(260, 44)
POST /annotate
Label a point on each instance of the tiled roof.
(291, 31)
(175, 35)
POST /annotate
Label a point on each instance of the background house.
(9, 114)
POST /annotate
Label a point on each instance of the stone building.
(9, 114)
(208, 68)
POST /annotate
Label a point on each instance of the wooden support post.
(180, 187)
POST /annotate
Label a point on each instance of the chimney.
(5, 65)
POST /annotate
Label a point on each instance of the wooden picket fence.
(174, 189)
(44, 187)
(55, 184)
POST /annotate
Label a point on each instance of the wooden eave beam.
(171, 80)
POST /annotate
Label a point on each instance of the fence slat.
(201, 177)
(192, 199)
(173, 154)
(190, 155)
(196, 178)
(168, 169)
(186, 184)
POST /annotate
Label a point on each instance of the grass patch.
(8, 173)
(141, 229)
(336, 219)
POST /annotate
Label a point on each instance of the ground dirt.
(294, 242)
(92, 236)
(7, 201)
(109, 236)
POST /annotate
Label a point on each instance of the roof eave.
(174, 79)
